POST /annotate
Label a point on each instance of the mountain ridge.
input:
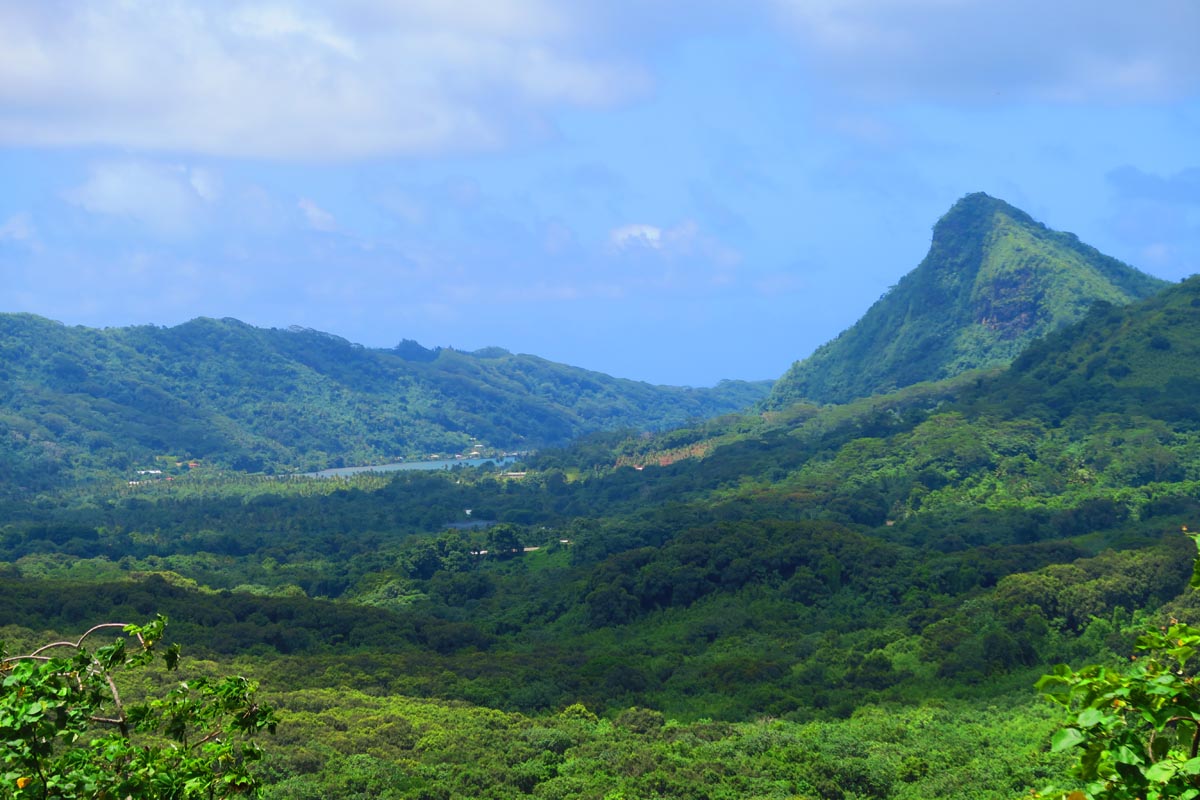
(84, 400)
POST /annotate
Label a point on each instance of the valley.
(841, 587)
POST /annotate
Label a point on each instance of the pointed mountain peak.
(993, 281)
(965, 229)
(980, 207)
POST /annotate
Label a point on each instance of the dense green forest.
(994, 281)
(78, 402)
(849, 601)
(670, 596)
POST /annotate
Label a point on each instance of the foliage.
(834, 602)
(66, 731)
(356, 745)
(1136, 729)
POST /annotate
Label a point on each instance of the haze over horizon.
(670, 192)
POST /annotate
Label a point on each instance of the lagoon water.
(444, 463)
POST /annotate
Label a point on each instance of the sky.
(673, 191)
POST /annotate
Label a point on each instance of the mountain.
(994, 280)
(75, 399)
(852, 600)
(1138, 360)
(1102, 408)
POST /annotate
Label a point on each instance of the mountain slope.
(1105, 407)
(1140, 359)
(864, 553)
(75, 399)
(873, 564)
(993, 281)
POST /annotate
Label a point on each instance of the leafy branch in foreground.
(66, 732)
(1137, 730)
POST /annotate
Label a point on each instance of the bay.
(442, 463)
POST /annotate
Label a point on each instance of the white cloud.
(360, 78)
(687, 239)
(636, 236)
(18, 228)
(318, 218)
(205, 183)
(679, 242)
(166, 198)
(1107, 51)
(295, 80)
(281, 22)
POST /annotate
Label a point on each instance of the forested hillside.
(834, 602)
(78, 402)
(993, 282)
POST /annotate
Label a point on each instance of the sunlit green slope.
(994, 281)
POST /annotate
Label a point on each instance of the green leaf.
(1127, 755)
(1056, 688)
(1066, 739)
(1182, 654)
(1161, 772)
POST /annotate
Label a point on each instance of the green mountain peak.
(993, 281)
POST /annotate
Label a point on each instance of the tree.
(1137, 730)
(503, 541)
(67, 732)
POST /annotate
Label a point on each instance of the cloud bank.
(289, 79)
(294, 79)
(961, 51)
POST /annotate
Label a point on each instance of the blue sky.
(676, 192)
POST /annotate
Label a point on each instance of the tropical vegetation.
(818, 601)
